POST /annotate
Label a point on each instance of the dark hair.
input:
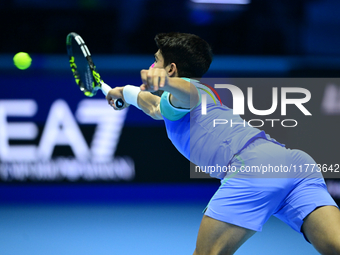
(191, 54)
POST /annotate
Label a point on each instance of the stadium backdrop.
(51, 133)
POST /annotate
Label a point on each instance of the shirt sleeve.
(171, 112)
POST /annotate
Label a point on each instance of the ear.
(172, 70)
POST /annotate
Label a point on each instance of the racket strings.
(84, 72)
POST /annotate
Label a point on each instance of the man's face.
(159, 63)
(159, 60)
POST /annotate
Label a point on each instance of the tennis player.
(244, 202)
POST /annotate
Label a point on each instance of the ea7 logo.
(61, 128)
(95, 161)
(238, 100)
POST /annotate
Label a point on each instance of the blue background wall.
(158, 210)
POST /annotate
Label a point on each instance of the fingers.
(143, 87)
(153, 79)
(112, 104)
(108, 97)
(144, 76)
(113, 95)
(162, 80)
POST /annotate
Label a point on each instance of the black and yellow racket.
(83, 69)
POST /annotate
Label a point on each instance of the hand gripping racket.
(83, 69)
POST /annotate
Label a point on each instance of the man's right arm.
(147, 102)
(150, 104)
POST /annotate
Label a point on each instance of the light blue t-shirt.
(195, 136)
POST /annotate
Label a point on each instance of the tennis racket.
(83, 69)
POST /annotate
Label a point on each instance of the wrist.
(130, 94)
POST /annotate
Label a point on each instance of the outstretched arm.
(183, 94)
(148, 103)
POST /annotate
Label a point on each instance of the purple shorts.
(269, 180)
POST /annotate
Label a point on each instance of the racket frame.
(97, 82)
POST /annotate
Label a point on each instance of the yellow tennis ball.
(22, 60)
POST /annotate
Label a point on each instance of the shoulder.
(169, 111)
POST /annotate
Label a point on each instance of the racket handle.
(119, 103)
(105, 88)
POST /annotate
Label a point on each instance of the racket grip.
(105, 88)
(119, 103)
